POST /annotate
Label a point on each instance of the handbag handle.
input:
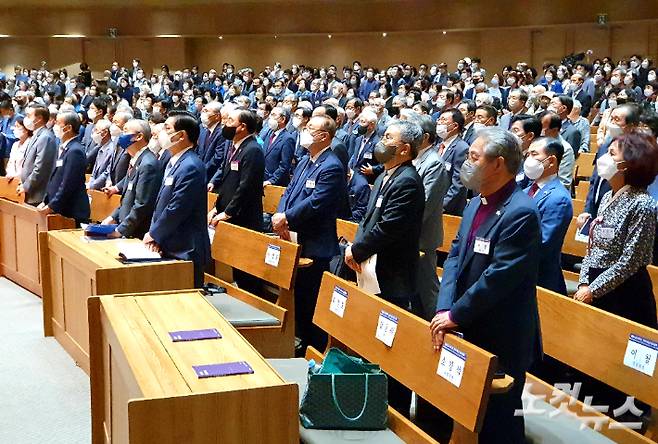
(335, 399)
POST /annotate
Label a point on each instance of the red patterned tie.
(533, 189)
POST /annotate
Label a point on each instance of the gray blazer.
(40, 157)
(435, 182)
(100, 172)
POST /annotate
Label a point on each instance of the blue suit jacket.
(311, 203)
(66, 193)
(453, 157)
(555, 213)
(179, 223)
(492, 297)
(278, 158)
(211, 148)
(366, 156)
(597, 185)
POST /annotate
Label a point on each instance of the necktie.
(168, 169)
(131, 169)
(533, 189)
(442, 148)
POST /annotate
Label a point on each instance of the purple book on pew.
(225, 369)
(194, 335)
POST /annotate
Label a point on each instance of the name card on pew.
(641, 354)
(387, 325)
(272, 255)
(338, 301)
(451, 364)
(195, 335)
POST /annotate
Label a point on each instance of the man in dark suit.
(337, 145)
(391, 227)
(467, 108)
(578, 93)
(488, 289)
(307, 215)
(178, 228)
(211, 145)
(562, 106)
(452, 151)
(239, 189)
(140, 187)
(66, 193)
(40, 155)
(96, 112)
(279, 149)
(119, 160)
(555, 208)
(299, 120)
(516, 104)
(316, 96)
(362, 147)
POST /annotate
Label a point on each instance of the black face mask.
(228, 132)
(361, 130)
(384, 153)
(394, 111)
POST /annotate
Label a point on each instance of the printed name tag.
(606, 233)
(481, 245)
(59, 163)
(235, 166)
(130, 186)
(338, 301)
(448, 166)
(378, 204)
(169, 181)
(451, 364)
(272, 255)
(310, 183)
(367, 155)
(641, 354)
(387, 325)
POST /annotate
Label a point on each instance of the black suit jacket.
(119, 165)
(392, 231)
(586, 102)
(241, 185)
(210, 149)
(66, 193)
(340, 150)
(138, 193)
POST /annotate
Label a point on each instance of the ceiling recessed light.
(445, 32)
(276, 36)
(168, 36)
(68, 36)
(384, 34)
(221, 37)
(329, 35)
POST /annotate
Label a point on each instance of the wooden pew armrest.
(502, 385)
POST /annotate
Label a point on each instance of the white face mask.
(612, 103)
(648, 93)
(645, 64)
(477, 126)
(628, 80)
(58, 131)
(533, 168)
(651, 77)
(350, 113)
(442, 130)
(614, 130)
(606, 166)
(28, 122)
(440, 102)
(115, 131)
(92, 114)
(153, 145)
(260, 113)
(205, 119)
(511, 81)
(164, 140)
(296, 122)
(410, 101)
(97, 138)
(306, 139)
(614, 81)
(273, 124)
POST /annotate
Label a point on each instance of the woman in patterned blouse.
(614, 274)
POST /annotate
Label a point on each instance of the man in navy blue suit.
(452, 151)
(488, 289)
(210, 147)
(362, 147)
(307, 215)
(66, 193)
(279, 148)
(555, 208)
(178, 228)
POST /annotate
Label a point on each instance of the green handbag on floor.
(346, 394)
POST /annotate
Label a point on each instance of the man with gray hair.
(582, 126)
(279, 148)
(388, 236)
(66, 193)
(435, 182)
(139, 189)
(488, 289)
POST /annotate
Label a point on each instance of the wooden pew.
(578, 206)
(144, 389)
(466, 404)
(571, 245)
(101, 205)
(581, 190)
(244, 249)
(212, 198)
(585, 165)
(653, 274)
(271, 197)
(20, 225)
(450, 230)
(594, 342)
(74, 269)
(346, 229)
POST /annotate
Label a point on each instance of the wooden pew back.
(271, 197)
(412, 359)
(8, 190)
(450, 230)
(571, 245)
(585, 165)
(101, 205)
(346, 229)
(245, 250)
(581, 191)
(594, 342)
(212, 198)
(653, 274)
(578, 206)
